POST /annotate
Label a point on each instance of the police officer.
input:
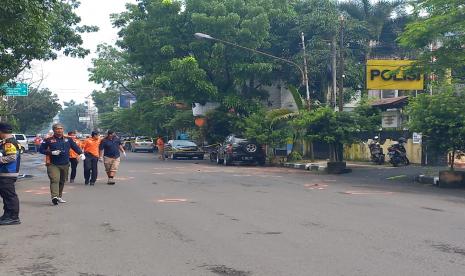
(57, 148)
(9, 168)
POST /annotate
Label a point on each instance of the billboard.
(126, 100)
(384, 74)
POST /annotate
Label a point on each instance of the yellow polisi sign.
(393, 75)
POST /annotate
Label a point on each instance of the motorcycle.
(398, 155)
(377, 154)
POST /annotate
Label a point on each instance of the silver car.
(142, 144)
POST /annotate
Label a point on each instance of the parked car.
(142, 143)
(175, 149)
(238, 149)
(22, 140)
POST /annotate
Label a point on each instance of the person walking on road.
(9, 168)
(161, 148)
(37, 141)
(73, 156)
(57, 148)
(110, 149)
(91, 149)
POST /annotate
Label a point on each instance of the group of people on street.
(65, 151)
(61, 153)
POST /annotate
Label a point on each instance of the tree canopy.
(440, 118)
(439, 31)
(35, 30)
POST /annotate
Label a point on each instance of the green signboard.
(18, 90)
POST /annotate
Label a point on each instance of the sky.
(68, 77)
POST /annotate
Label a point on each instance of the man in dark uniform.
(57, 149)
(9, 168)
(110, 148)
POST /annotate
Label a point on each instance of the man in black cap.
(9, 168)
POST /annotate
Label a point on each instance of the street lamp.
(303, 74)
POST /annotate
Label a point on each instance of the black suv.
(237, 149)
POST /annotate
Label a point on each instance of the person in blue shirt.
(57, 148)
(9, 168)
(110, 148)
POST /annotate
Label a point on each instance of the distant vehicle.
(175, 149)
(30, 141)
(238, 149)
(142, 143)
(22, 140)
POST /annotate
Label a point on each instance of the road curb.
(424, 179)
(306, 167)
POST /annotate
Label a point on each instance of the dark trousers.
(90, 168)
(74, 163)
(10, 198)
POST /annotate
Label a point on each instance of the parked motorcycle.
(398, 154)
(376, 151)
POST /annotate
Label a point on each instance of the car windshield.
(20, 137)
(182, 143)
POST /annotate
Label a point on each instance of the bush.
(294, 156)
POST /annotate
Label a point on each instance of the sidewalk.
(413, 173)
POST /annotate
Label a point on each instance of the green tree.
(440, 23)
(326, 125)
(266, 127)
(112, 69)
(34, 112)
(105, 101)
(69, 116)
(378, 19)
(368, 117)
(36, 30)
(441, 120)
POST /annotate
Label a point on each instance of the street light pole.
(309, 103)
(341, 56)
(303, 73)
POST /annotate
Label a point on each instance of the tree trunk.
(452, 161)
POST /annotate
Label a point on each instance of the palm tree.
(377, 18)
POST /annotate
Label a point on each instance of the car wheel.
(21, 150)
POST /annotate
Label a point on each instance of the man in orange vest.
(73, 156)
(161, 148)
(91, 150)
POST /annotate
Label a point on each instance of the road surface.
(195, 218)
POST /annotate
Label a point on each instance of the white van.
(22, 140)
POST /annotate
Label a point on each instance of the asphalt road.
(196, 218)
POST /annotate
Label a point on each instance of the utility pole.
(334, 73)
(341, 64)
(309, 102)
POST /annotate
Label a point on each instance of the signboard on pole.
(417, 138)
(391, 119)
(384, 74)
(18, 90)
